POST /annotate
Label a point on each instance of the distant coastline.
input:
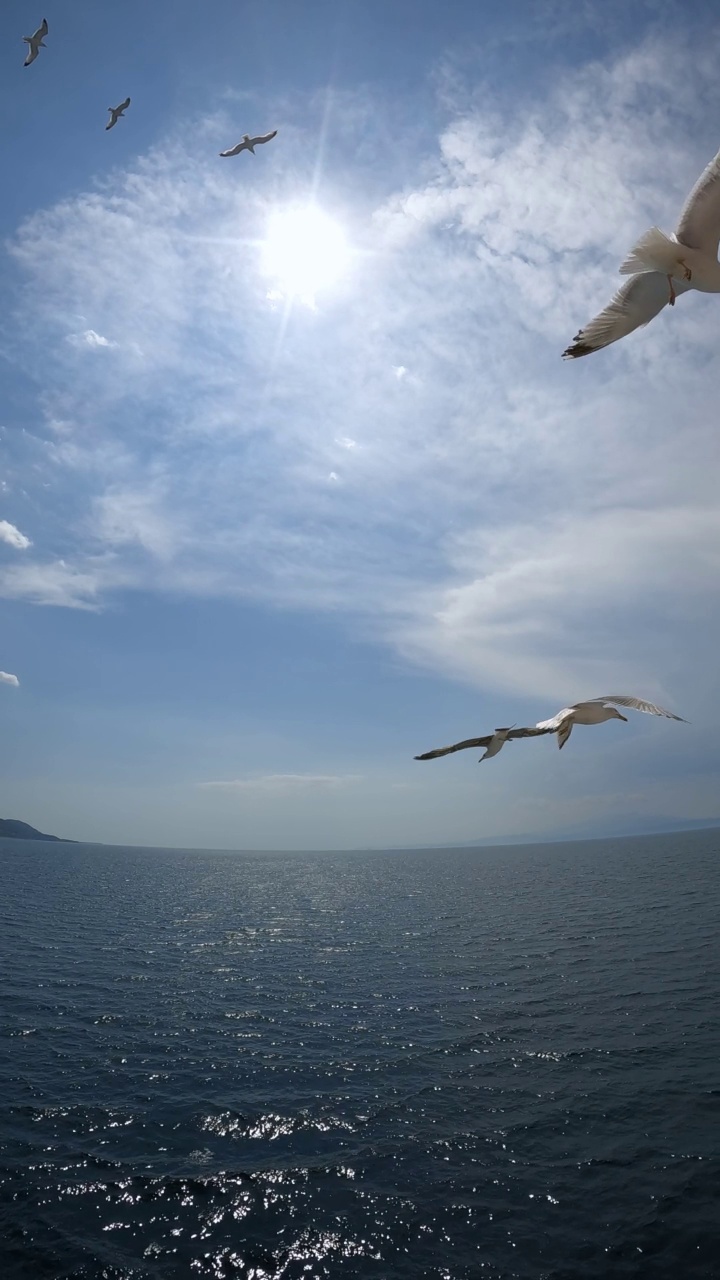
(12, 829)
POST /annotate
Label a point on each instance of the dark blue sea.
(462, 1064)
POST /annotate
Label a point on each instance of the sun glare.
(304, 252)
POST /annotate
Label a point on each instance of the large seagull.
(594, 711)
(247, 143)
(36, 42)
(662, 267)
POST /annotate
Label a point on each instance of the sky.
(294, 483)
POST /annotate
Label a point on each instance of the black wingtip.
(577, 349)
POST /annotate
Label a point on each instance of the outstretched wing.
(457, 746)
(635, 304)
(234, 151)
(533, 732)
(124, 105)
(638, 704)
(699, 225)
(266, 137)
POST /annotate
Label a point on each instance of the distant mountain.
(11, 829)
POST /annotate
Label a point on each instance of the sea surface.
(463, 1064)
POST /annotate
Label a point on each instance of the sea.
(465, 1064)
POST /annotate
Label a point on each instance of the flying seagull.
(36, 42)
(493, 742)
(116, 113)
(594, 711)
(661, 267)
(249, 144)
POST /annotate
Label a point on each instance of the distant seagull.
(594, 711)
(249, 144)
(116, 113)
(662, 267)
(36, 42)
(493, 742)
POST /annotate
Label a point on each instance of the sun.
(304, 252)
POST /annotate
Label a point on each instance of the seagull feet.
(672, 291)
(686, 270)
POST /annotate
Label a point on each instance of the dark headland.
(11, 829)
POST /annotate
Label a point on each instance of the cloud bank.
(283, 783)
(412, 453)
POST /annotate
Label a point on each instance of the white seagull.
(116, 113)
(594, 711)
(662, 267)
(597, 711)
(36, 42)
(249, 144)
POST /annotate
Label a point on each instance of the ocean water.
(456, 1064)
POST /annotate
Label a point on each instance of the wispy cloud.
(284, 783)
(13, 537)
(7, 678)
(413, 453)
(89, 338)
(58, 583)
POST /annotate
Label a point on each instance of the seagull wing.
(32, 55)
(638, 704)
(531, 731)
(234, 151)
(699, 225)
(635, 304)
(43, 29)
(553, 724)
(124, 105)
(457, 746)
(266, 137)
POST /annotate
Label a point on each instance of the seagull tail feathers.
(654, 251)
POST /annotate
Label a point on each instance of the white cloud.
(13, 537)
(7, 678)
(89, 339)
(284, 783)
(58, 583)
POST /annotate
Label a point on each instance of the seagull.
(594, 711)
(249, 144)
(116, 113)
(661, 267)
(597, 711)
(493, 742)
(36, 42)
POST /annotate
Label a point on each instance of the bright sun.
(304, 252)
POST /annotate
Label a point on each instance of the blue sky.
(287, 502)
